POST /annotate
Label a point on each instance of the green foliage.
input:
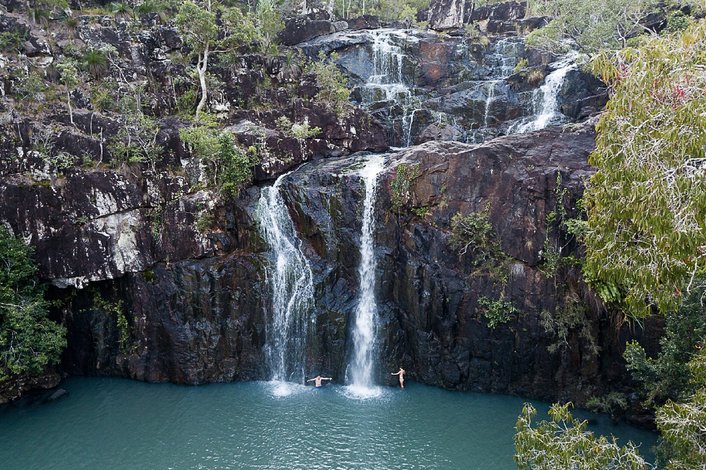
(29, 341)
(269, 22)
(614, 404)
(591, 25)
(197, 25)
(332, 83)
(646, 230)
(237, 165)
(95, 62)
(521, 65)
(387, 10)
(229, 166)
(205, 221)
(667, 376)
(683, 425)
(473, 234)
(297, 130)
(11, 41)
(677, 21)
(560, 231)
(136, 142)
(30, 86)
(564, 443)
(102, 98)
(571, 316)
(401, 185)
(496, 312)
(41, 10)
(163, 8)
(116, 309)
(211, 26)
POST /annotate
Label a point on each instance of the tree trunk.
(68, 102)
(201, 67)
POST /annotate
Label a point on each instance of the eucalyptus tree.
(590, 24)
(207, 27)
(646, 234)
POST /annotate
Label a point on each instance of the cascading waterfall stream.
(290, 278)
(545, 99)
(387, 80)
(365, 320)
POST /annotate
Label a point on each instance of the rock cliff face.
(194, 300)
(159, 278)
(429, 296)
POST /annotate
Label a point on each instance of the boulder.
(446, 14)
(304, 28)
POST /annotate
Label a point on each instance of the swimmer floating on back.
(317, 380)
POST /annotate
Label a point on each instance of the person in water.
(401, 374)
(317, 380)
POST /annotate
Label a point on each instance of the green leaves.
(667, 375)
(28, 339)
(333, 91)
(496, 312)
(563, 442)
(646, 204)
(591, 25)
(229, 166)
(683, 425)
(197, 25)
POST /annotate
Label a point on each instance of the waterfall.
(501, 60)
(388, 65)
(545, 99)
(490, 95)
(364, 328)
(387, 80)
(290, 280)
(503, 57)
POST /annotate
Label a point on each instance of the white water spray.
(545, 99)
(365, 326)
(290, 279)
(387, 80)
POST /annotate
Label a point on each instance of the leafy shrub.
(563, 442)
(229, 166)
(496, 312)
(29, 341)
(332, 83)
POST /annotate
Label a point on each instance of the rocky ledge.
(174, 289)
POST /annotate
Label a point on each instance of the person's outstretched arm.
(311, 380)
(326, 378)
(395, 373)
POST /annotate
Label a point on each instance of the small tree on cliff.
(199, 24)
(29, 341)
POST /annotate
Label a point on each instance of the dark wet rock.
(307, 27)
(527, 25)
(16, 387)
(428, 295)
(364, 22)
(446, 14)
(57, 394)
(498, 12)
(441, 132)
(582, 95)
